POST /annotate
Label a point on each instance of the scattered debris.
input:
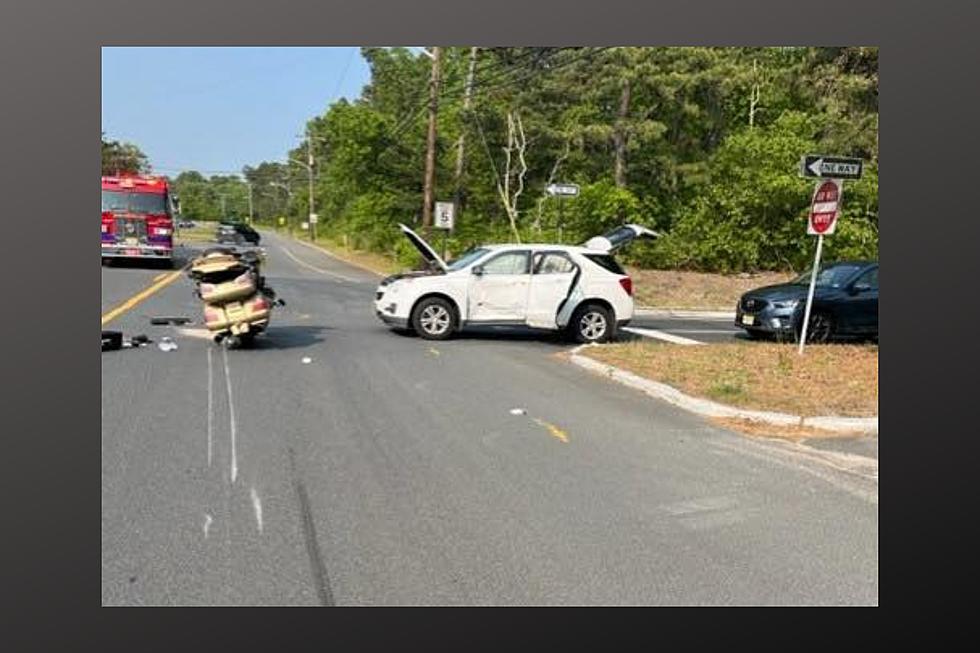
(111, 340)
(433, 351)
(166, 344)
(173, 320)
(518, 411)
(139, 341)
(307, 360)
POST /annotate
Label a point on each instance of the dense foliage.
(702, 144)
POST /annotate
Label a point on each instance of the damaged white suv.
(581, 290)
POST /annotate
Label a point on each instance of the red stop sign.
(825, 207)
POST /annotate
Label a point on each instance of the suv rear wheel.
(592, 323)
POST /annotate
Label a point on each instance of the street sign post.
(445, 219)
(824, 209)
(830, 167)
(314, 218)
(560, 191)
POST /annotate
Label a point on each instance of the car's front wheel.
(820, 329)
(434, 318)
(592, 323)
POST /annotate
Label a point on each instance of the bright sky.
(217, 109)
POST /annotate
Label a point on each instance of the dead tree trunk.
(620, 135)
(516, 143)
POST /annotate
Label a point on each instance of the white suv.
(581, 290)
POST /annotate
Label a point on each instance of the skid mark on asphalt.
(315, 268)
(321, 580)
(231, 417)
(662, 335)
(257, 507)
(707, 513)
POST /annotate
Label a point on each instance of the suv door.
(553, 275)
(498, 288)
(860, 308)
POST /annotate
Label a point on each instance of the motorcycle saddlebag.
(253, 311)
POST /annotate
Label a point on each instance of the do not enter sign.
(825, 208)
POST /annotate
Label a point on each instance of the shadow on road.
(290, 337)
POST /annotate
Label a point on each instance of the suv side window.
(869, 278)
(515, 262)
(552, 263)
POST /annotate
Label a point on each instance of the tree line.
(701, 144)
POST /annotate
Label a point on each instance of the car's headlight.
(787, 303)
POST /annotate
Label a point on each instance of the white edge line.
(231, 417)
(662, 335)
(315, 268)
(337, 258)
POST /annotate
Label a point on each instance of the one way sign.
(830, 167)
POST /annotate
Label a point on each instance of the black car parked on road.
(845, 304)
(238, 233)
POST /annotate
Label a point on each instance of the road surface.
(389, 470)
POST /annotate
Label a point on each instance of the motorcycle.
(237, 302)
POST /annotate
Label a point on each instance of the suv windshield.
(833, 276)
(466, 259)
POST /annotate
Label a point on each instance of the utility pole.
(467, 98)
(430, 154)
(309, 151)
(249, 201)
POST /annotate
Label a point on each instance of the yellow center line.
(140, 296)
(553, 430)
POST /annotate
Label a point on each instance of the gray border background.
(50, 62)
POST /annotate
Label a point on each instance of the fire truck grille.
(129, 228)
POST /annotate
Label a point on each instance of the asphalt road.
(389, 471)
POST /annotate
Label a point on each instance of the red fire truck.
(137, 218)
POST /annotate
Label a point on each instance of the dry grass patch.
(697, 290)
(200, 233)
(839, 380)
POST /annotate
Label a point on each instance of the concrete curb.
(710, 408)
(669, 312)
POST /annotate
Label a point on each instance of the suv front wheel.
(592, 323)
(434, 318)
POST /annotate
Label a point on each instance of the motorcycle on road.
(237, 302)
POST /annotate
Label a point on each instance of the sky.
(217, 109)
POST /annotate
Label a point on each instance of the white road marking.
(257, 505)
(315, 268)
(231, 416)
(207, 524)
(705, 330)
(210, 405)
(662, 335)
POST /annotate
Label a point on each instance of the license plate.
(748, 319)
(132, 252)
(130, 241)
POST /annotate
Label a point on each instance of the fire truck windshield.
(113, 200)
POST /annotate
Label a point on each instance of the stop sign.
(825, 208)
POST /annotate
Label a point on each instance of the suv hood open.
(424, 248)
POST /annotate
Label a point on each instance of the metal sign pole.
(561, 218)
(809, 297)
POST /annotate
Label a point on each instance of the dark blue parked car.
(845, 305)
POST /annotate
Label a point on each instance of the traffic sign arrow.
(830, 167)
